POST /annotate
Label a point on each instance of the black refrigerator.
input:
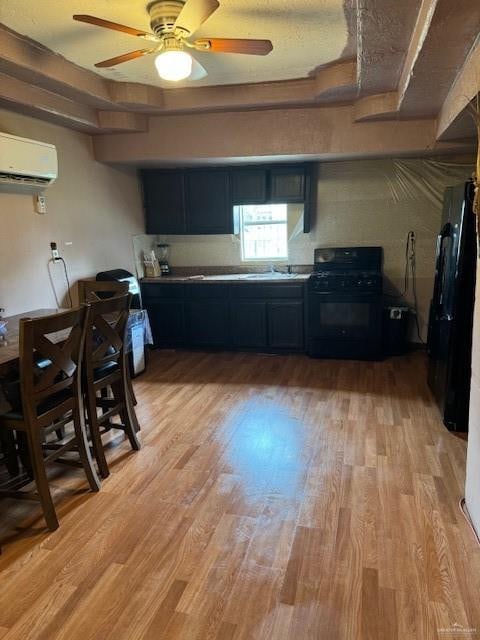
(451, 310)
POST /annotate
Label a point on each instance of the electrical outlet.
(40, 204)
(55, 251)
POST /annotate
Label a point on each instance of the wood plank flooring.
(275, 497)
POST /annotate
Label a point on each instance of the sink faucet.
(274, 269)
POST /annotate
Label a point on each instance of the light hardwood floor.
(274, 498)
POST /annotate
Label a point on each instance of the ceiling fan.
(173, 22)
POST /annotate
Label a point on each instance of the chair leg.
(7, 441)
(130, 389)
(40, 476)
(127, 413)
(24, 454)
(84, 451)
(60, 433)
(96, 435)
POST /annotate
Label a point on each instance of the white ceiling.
(305, 34)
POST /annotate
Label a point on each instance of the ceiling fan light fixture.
(174, 65)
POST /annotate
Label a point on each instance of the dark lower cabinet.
(208, 323)
(285, 324)
(249, 323)
(238, 316)
(167, 319)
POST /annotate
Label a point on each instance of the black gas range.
(345, 302)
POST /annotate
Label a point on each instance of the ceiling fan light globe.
(174, 65)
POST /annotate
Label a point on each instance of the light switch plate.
(40, 204)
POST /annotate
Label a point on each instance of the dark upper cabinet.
(209, 205)
(287, 184)
(200, 201)
(249, 323)
(164, 201)
(250, 185)
(285, 324)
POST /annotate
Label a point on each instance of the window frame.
(243, 225)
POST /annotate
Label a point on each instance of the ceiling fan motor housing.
(163, 14)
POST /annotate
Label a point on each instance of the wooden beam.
(336, 81)
(382, 106)
(31, 62)
(444, 35)
(318, 132)
(37, 102)
(111, 121)
(464, 89)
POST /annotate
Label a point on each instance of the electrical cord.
(406, 272)
(67, 280)
(464, 510)
(410, 269)
(413, 267)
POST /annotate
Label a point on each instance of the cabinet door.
(208, 323)
(164, 201)
(287, 184)
(249, 323)
(285, 324)
(249, 185)
(209, 206)
(167, 319)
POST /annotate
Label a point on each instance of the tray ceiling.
(305, 34)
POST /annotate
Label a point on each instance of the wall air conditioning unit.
(26, 166)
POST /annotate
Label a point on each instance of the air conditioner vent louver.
(12, 177)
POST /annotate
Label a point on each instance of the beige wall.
(365, 202)
(96, 208)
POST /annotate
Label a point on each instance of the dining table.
(10, 344)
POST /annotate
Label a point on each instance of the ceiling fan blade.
(111, 62)
(234, 45)
(198, 70)
(194, 14)
(115, 26)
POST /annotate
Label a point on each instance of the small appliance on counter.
(162, 256)
(122, 275)
(451, 310)
(138, 329)
(151, 265)
(345, 303)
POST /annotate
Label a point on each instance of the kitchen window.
(264, 232)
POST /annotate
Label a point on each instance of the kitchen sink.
(271, 276)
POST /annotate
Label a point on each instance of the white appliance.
(26, 166)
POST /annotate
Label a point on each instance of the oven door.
(355, 316)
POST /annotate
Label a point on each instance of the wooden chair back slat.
(93, 290)
(105, 332)
(58, 341)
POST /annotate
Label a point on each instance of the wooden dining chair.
(106, 378)
(51, 351)
(93, 291)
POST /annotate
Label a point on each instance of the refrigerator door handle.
(445, 233)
